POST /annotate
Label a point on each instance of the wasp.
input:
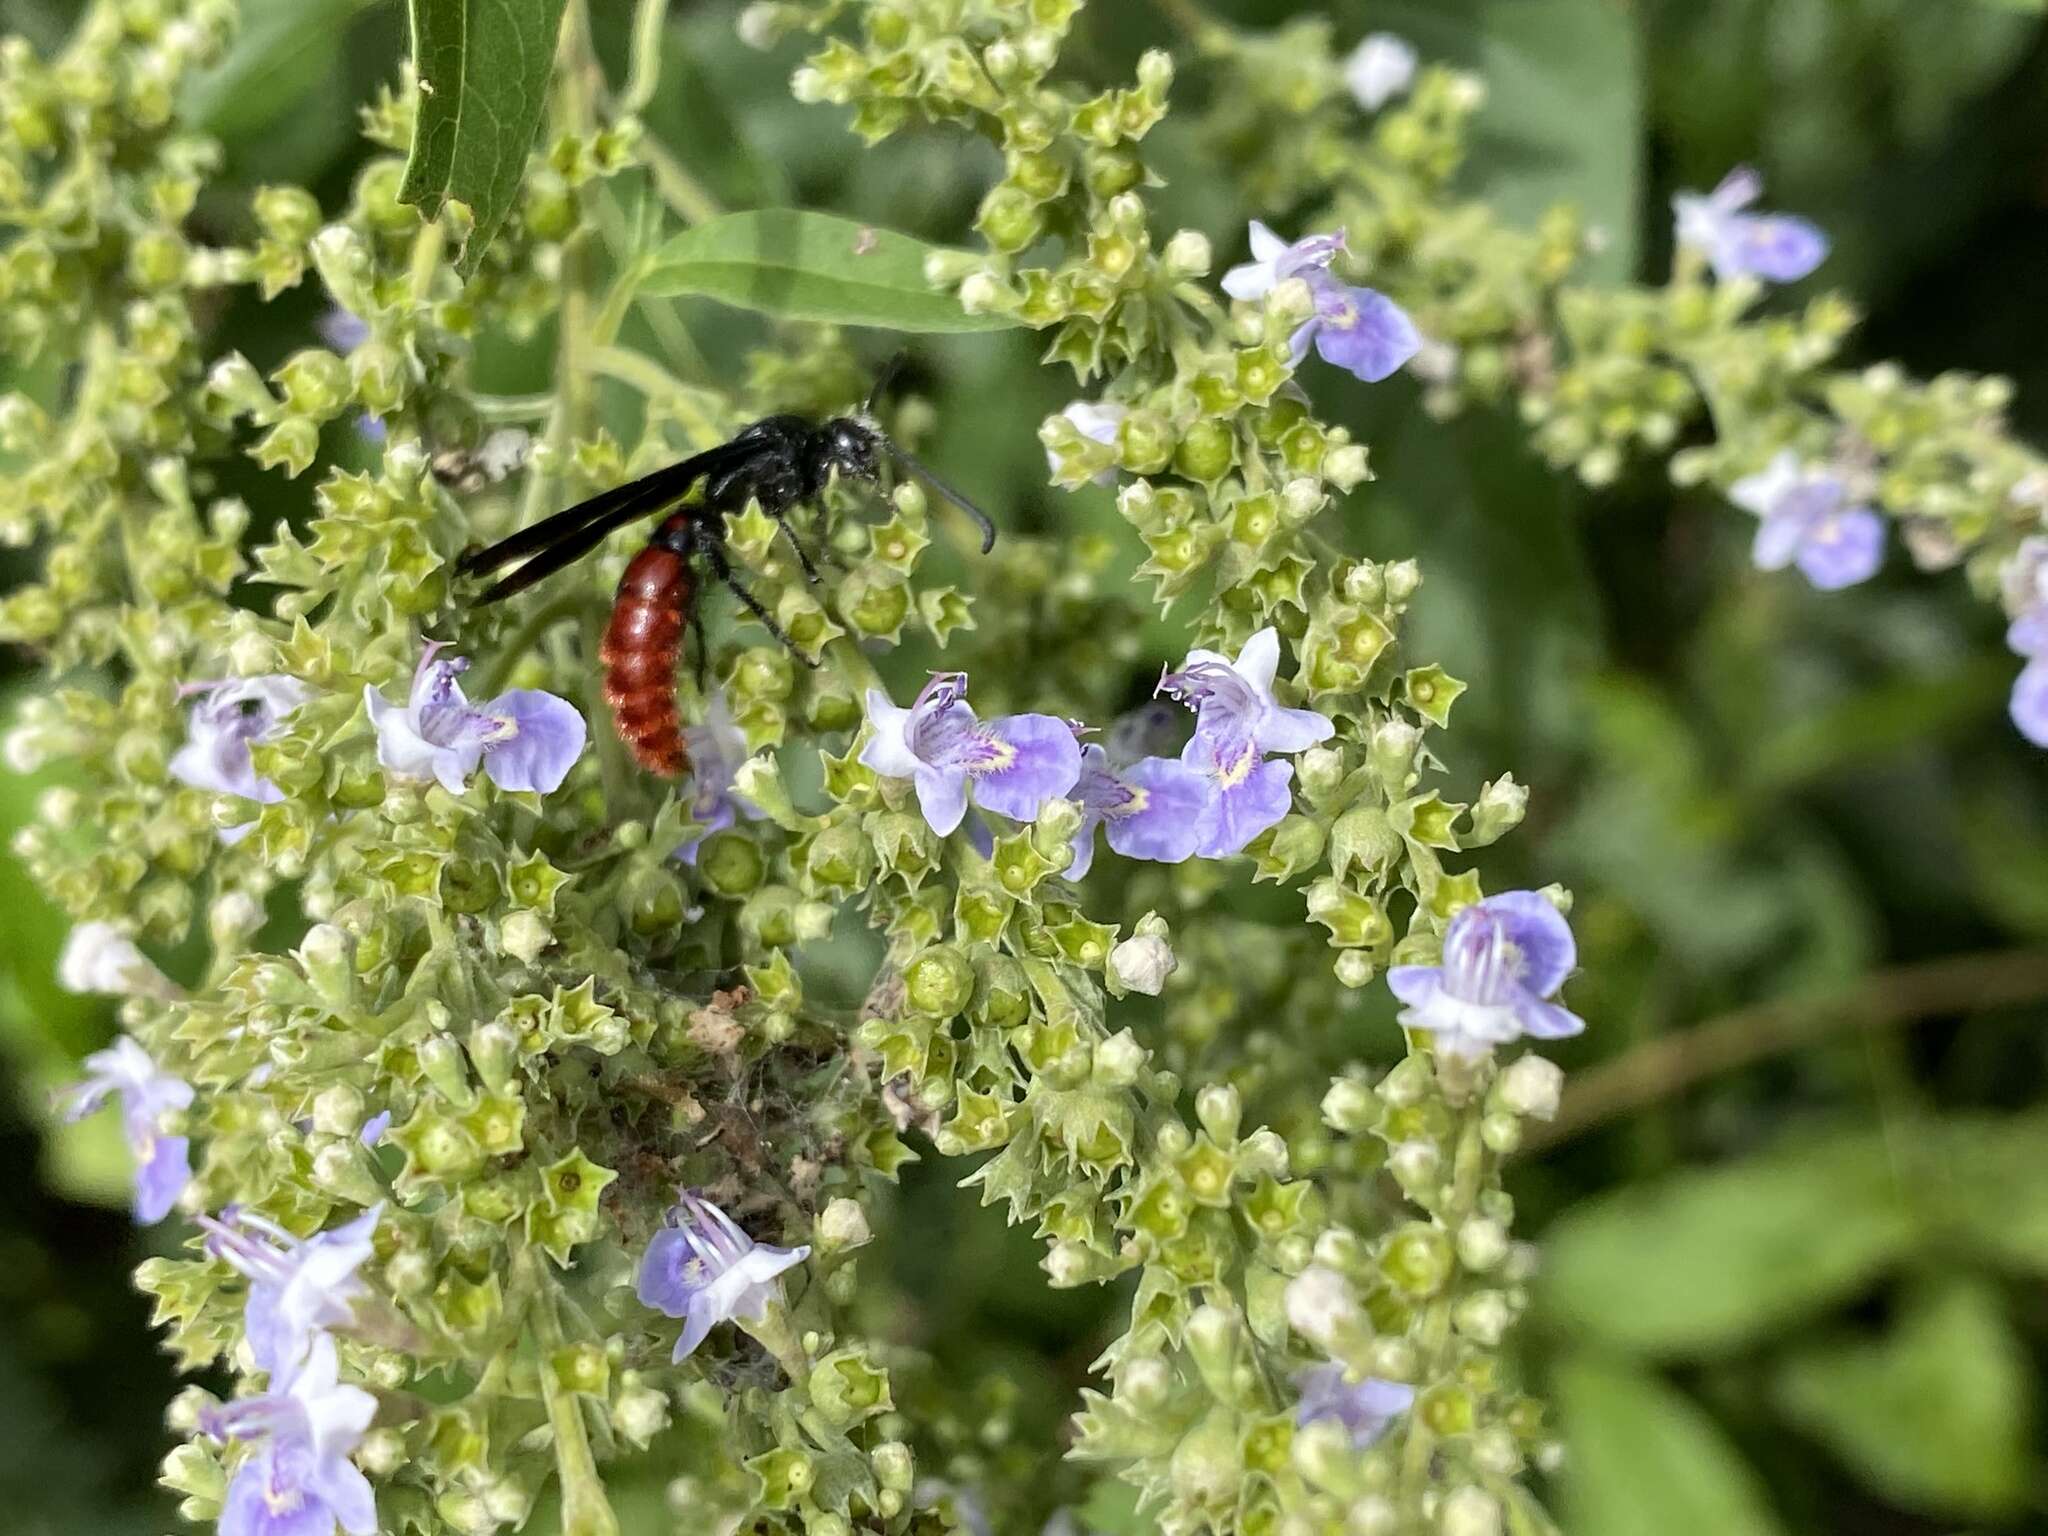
(781, 462)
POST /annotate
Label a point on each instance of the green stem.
(526, 637)
(585, 1509)
(649, 16)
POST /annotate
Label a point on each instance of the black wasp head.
(851, 446)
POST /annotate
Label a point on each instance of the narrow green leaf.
(1702, 1261)
(811, 266)
(1643, 1458)
(1936, 1415)
(281, 53)
(1986, 1190)
(483, 67)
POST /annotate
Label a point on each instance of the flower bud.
(338, 1110)
(1470, 1512)
(1530, 1087)
(1394, 744)
(842, 1226)
(232, 918)
(1484, 1317)
(1417, 1260)
(1187, 255)
(1350, 1107)
(1322, 1308)
(524, 935)
(1141, 964)
(1482, 1244)
(1219, 1107)
(893, 1464)
(1415, 1164)
(1119, 1059)
(939, 981)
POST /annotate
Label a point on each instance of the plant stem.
(585, 1509)
(1901, 995)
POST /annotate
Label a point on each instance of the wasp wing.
(553, 542)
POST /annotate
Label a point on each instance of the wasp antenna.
(981, 518)
(883, 380)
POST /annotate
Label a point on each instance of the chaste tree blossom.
(1237, 722)
(1357, 329)
(1806, 520)
(1151, 809)
(1011, 765)
(1380, 68)
(299, 1480)
(148, 1094)
(702, 1268)
(1098, 421)
(1773, 247)
(1504, 958)
(2026, 599)
(1364, 1408)
(98, 957)
(298, 1287)
(525, 739)
(229, 718)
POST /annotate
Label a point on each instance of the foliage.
(260, 413)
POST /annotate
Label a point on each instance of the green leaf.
(811, 266)
(483, 72)
(1986, 1190)
(1564, 106)
(1936, 1415)
(1702, 1261)
(1644, 1458)
(282, 53)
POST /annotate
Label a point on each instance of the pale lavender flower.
(342, 329)
(1379, 69)
(163, 1164)
(1357, 329)
(525, 739)
(298, 1287)
(1776, 247)
(374, 1128)
(702, 1268)
(299, 1481)
(1011, 765)
(1806, 520)
(1098, 421)
(2026, 599)
(1365, 1408)
(229, 718)
(1150, 809)
(717, 749)
(1504, 958)
(1237, 722)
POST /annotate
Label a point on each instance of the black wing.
(553, 542)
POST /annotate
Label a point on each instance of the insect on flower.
(780, 462)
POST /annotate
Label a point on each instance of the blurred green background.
(1797, 1222)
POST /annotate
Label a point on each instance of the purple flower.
(702, 1268)
(1379, 69)
(230, 717)
(2026, 599)
(342, 329)
(1775, 247)
(1365, 1408)
(1012, 765)
(1503, 959)
(1237, 722)
(299, 1481)
(1805, 521)
(163, 1164)
(374, 1128)
(1096, 420)
(717, 748)
(525, 739)
(1357, 329)
(1152, 809)
(298, 1287)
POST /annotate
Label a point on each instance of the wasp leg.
(703, 645)
(722, 569)
(803, 555)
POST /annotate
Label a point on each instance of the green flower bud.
(939, 981)
(731, 864)
(1417, 1261)
(893, 1464)
(1350, 1106)
(1002, 996)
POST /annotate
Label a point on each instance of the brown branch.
(1902, 995)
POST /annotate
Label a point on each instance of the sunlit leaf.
(1643, 1458)
(483, 72)
(811, 266)
(1705, 1260)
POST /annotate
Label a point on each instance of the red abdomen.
(639, 657)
